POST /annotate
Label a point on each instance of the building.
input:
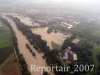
(74, 57)
(68, 55)
(79, 43)
(65, 56)
(75, 41)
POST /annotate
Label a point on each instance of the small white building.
(74, 57)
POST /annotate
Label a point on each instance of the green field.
(55, 46)
(96, 32)
(96, 50)
(93, 30)
(5, 43)
(5, 40)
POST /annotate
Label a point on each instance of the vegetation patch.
(96, 32)
(5, 40)
(88, 31)
(4, 53)
(96, 50)
(55, 46)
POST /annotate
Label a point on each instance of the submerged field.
(51, 38)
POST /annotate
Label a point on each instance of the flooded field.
(57, 38)
(30, 60)
(26, 20)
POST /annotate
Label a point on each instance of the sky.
(88, 3)
(81, 5)
(57, 1)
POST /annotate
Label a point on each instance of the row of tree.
(30, 50)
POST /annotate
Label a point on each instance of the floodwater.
(26, 20)
(57, 38)
(30, 60)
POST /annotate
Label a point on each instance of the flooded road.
(30, 60)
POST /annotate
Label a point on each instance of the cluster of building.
(68, 55)
(66, 25)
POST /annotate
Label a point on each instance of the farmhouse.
(78, 42)
(68, 55)
(75, 41)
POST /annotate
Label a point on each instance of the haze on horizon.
(90, 5)
(46, 1)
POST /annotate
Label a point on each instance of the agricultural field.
(10, 66)
(96, 50)
(5, 40)
(87, 29)
(55, 46)
(5, 44)
(96, 32)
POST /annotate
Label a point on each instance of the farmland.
(89, 31)
(5, 40)
(5, 44)
(96, 50)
